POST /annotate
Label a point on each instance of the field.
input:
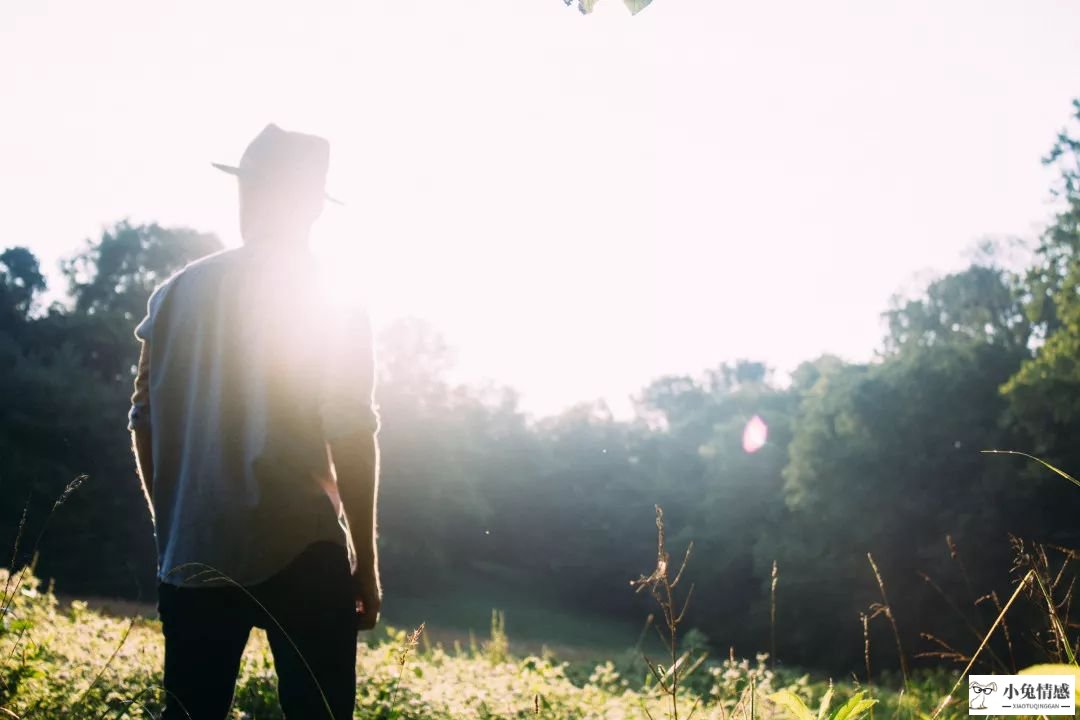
(66, 660)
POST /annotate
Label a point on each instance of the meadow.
(64, 660)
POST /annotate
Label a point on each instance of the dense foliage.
(880, 458)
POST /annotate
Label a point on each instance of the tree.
(1044, 394)
(885, 459)
(110, 281)
(739, 505)
(20, 282)
(20, 279)
(981, 305)
(116, 274)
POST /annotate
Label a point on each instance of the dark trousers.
(309, 614)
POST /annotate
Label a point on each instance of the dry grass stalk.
(662, 588)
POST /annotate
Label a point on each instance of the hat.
(277, 152)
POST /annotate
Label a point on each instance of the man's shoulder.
(193, 273)
(198, 269)
(214, 262)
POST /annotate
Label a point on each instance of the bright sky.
(580, 204)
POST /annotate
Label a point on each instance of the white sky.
(581, 204)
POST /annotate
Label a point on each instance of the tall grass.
(885, 608)
(663, 589)
(1036, 575)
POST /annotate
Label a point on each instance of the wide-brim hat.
(281, 153)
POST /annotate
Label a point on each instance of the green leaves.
(634, 6)
(793, 704)
(853, 709)
(1052, 669)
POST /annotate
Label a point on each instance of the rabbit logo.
(978, 693)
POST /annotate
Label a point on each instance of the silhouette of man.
(255, 433)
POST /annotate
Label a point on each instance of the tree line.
(880, 458)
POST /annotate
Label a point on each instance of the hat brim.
(235, 171)
(227, 169)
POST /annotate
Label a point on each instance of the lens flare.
(754, 435)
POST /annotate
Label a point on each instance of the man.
(255, 434)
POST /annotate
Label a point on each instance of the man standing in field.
(255, 433)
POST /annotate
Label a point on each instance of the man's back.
(242, 369)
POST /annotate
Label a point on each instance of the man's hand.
(368, 596)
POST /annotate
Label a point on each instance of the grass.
(534, 621)
(78, 663)
(69, 661)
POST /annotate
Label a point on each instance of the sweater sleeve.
(348, 393)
